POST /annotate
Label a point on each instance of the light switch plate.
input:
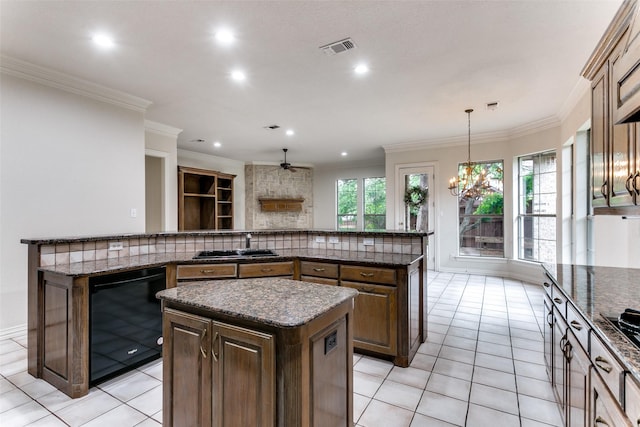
(319, 239)
(334, 239)
(368, 241)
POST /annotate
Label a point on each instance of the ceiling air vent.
(272, 127)
(338, 47)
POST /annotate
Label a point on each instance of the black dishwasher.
(126, 321)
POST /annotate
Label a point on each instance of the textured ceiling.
(429, 61)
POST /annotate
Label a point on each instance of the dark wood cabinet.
(205, 199)
(186, 374)
(243, 381)
(224, 370)
(615, 161)
(215, 374)
(375, 317)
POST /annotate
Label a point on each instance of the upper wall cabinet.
(205, 200)
(615, 148)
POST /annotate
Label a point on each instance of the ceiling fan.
(287, 166)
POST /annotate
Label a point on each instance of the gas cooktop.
(632, 335)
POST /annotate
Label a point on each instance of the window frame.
(523, 217)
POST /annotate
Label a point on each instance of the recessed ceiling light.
(225, 37)
(344, 153)
(238, 75)
(290, 132)
(217, 144)
(103, 40)
(361, 69)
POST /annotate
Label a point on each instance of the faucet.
(248, 241)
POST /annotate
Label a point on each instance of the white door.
(418, 179)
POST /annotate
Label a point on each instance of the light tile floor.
(481, 365)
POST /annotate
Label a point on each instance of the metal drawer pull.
(204, 334)
(207, 271)
(550, 319)
(266, 270)
(603, 364)
(213, 347)
(318, 269)
(546, 285)
(576, 325)
(600, 420)
(557, 300)
(367, 274)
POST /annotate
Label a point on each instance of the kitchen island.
(261, 352)
(388, 269)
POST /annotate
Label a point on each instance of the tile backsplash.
(96, 250)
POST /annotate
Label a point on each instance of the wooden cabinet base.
(221, 371)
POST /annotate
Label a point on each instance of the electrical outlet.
(319, 239)
(116, 246)
(368, 241)
(134, 212)
(334, 239)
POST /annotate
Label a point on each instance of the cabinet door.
(548, 336)
(559, 367)
(375, 317)
(186, 369)
(577, 382)
(266, 269)
(244, 372)
(605, 410)
(632, 400)
(599, 137)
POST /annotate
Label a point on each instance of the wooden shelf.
(205, 199)
(281, 205)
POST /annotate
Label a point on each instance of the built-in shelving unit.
(205, 199)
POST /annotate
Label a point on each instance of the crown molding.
(160, 129)
(482, 138)
(581, 88)
(48, 77)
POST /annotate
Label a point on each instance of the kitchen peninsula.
(387, 269)
(261, 352)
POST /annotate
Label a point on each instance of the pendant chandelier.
(471, 183)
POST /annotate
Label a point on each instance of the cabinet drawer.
(632, 400)
(578, 326)
(319, 269)
(368, 274)
(559, 301)
(607, 366)
(266, 269)
(206, 271)
(320, 280)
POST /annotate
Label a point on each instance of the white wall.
(324, 190)
(70, 165)
(220, 164)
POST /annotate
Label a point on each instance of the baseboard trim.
(13, 332)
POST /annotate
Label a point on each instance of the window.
(537, 207)
(375, 203)
(481, 218)
(361, 207)
(347, 204)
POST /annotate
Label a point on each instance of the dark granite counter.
(113, 265)
(277, 302)
(320, 232)
(601, 292)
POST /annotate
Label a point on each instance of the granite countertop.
(72, 239)
(114, 265)
(601, 292)
(282, 303)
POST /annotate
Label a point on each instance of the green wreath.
(415, 196)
